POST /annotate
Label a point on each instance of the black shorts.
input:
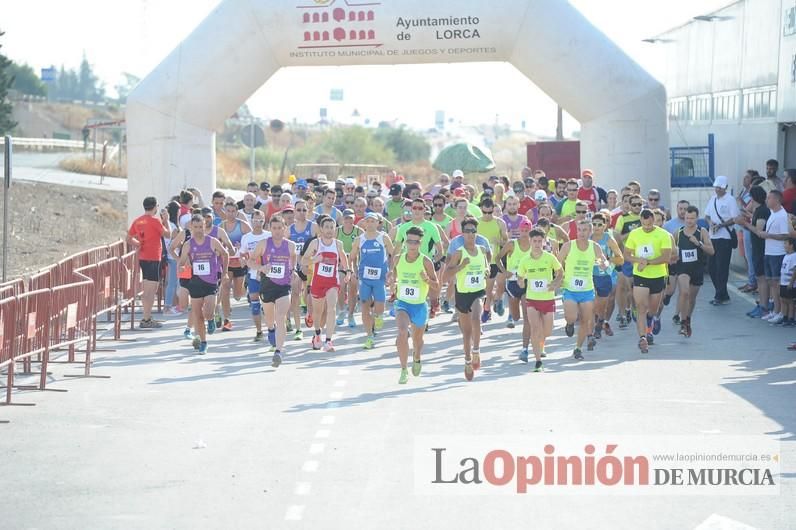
(514, 289)
(198, 288)
(270, 292)
(238, 272)
(786, 293)
(150, 270)
(695, 271)
(464, 301)
(184, 282)
(655, 285)
(493, 271)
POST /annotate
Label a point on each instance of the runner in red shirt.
(527, 202)
(587, 192)
(146, 234)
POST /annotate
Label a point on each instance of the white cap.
(350, 181)
(540, 195)
(720, 182)
(322, 178)
(458, 173)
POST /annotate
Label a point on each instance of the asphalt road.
(174, 440)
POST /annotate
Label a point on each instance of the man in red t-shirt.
(789, 195)
(146, 235)
(527, 202)
(587, 192)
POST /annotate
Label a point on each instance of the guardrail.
(57, 310)
(45, 143)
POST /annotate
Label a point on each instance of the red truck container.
(559, 160)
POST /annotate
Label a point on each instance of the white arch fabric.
(173, 113)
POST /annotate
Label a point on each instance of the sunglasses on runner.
(572, 190)
(301, 209)
(469, 231)
(636, 204)
(580, 212)
(418, 208)
(653, 199)
(439, 205)
(599, 225)
(487, 211)
(349, 202)
(412, 241)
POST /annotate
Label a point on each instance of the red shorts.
(543, 306)
(319, 290)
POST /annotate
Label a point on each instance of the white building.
(732, 73)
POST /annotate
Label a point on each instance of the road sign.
(246, 136)
(48, 75)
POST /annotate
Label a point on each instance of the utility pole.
(6, 192)
(252, 144)
(560, 124)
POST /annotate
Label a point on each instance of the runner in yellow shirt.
(649, 249)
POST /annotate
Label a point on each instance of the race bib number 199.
(372, 273)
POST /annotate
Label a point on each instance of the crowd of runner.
(311, 254)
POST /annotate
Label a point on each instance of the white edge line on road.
(294, 513)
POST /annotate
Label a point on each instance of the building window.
(701, 108)
(725, 106)
(760, 103)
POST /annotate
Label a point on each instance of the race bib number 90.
(201, 268)
(409, 292)
(578, 284)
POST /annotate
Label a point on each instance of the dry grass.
(88, 166)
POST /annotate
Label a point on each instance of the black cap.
(395, 190)
(264, 186)
(206, 211)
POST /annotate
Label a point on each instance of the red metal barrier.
(117, 250)
(42, 279)
(31, 335)
(12, 288)
(8, 322)
(71, 318)
(130, 284)
(106, 276)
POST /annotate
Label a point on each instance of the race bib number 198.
(326, 270)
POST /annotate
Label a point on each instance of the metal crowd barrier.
(57, 309)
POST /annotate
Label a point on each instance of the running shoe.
(369, 343)
(298, 335)
(276, 360)
(227, 325)
(524, 355)
(569, 329)
(642, 345)
(432, 313)
(316, 342)
(792, 347)
(510, 323)
(378, 322)
(352, 322)
(303, 309)
(687, 328)
(196, 343)
(187, 334)
(219, 319)
(476, 360)
(634, 315)
(592, 342)
(202, 348)
(468, 370)
(757, 312)
(776, 319)
(416, 367)
(622, 322)
(499, 308)
(608, 331)
(598, 331)
(538, 367)
(308, 320)
(656, 325)
(150, 324)
(446, 307)
(577, 354)
(328, 346)
(650, 339)
(340, 318)
(682, 328)
(211, 326)
(404, 376)
(258, 337)
(486, 316)
(455, 316)
(289, 326)
(667, 299)
(768, 316)
(392, 311)
(676, 319)
(272, 337)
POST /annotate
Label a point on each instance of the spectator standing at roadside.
(720, 213)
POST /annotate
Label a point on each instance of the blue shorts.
(372, 290)
(627, 269)
(254, 286)
(604, 284)
(772, 266)
(514, 289)
(418, 313)
(579, 297)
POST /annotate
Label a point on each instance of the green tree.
(356, 145)
(88, 86)
(6, 80)
(26, 81)
(408, 146)
(124, 89)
